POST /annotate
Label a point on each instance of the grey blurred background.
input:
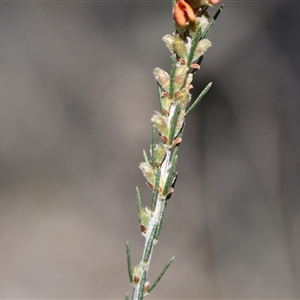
(77, 94)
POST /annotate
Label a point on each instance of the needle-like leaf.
(138, 199)
(129, 262)
(155, 190)
(161, 274)
(196, 102)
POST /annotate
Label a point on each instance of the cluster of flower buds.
(187, 45)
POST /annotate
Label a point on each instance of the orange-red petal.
(183, 13)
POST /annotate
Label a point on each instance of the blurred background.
(77, 94)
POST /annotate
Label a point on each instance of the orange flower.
(183, 13)
(195, 4)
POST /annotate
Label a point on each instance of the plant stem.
(187, 46)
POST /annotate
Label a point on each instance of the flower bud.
(144, 215)
(166, 103)
(169, 41)
(202, 47)
(136, 274)
(184, 97)
(160, 153)
(188, 81)
(162, 78)
(202, 22)
(180, 74)
(148, 172)
(160, 123)
(180, 48)
(146, 288)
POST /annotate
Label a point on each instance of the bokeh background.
(77, 94)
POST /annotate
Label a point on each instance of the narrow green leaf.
(129, 262)
(127, 297)
(163, 271)
(138, 199)
(155, 190)
(196, 102)
(212, 21)
(195, 41)
(145, 156)
(172, 77)
(153, 143)
(173, 3)
(174, 123)
(149, 245)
